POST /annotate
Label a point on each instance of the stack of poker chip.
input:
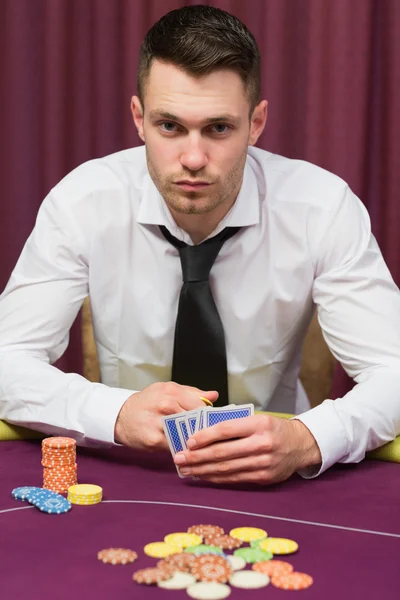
(59, 464)
(85, 494)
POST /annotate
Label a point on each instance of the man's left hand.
(259, 449)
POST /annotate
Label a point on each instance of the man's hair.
(201, 39)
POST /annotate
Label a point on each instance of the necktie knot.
(197, 261)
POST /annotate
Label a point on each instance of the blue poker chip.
(51, 503)
(25, 492)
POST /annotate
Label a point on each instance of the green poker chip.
(203, 549)
(256, 543)
(253, 555)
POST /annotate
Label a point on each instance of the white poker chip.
(249, 580)
(237, 562)
(209, 591)
(178, 581)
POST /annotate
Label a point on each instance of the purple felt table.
(347, 524)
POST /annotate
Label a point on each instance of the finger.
(227, 430)
(260, 477)
(190, 398)
(226, 467)
(222, 451)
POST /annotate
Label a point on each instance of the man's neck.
(200, 226)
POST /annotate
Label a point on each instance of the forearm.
(365, 418)
(37, 395)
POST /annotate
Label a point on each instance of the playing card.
(191, 417)
(182, 430)
(212, 416)
(172, 435)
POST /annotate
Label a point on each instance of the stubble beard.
(179, 201)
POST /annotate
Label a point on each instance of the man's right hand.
(139, 423)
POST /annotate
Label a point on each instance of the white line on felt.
(260, 516)
(236, 512)
(6, 510)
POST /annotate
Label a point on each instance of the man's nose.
(194, 156)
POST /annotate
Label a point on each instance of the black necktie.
(199, 347)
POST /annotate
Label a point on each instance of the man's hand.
(139, 422)
(258, 449)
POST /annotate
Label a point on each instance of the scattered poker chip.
(181, 561)
(211, 568)
(247, 534)
(279, 545)
(161, 549)
(52, 505)
(273, 568)
(178, 581)
(206, 530)
(184, 540)
(203, 549)
(117, 556)
(25, 492)
(151, 576)
(208, 591)
(292, 581)
(237, 562)
(249, 580)
(253, 555)
(225, 542)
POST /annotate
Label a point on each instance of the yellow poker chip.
(85, 489)
(161, 549)
(183, 539)
(248, 534)
(279, 545)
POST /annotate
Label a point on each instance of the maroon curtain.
(67, 72)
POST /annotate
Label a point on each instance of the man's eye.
(168, 126)
(221, 128)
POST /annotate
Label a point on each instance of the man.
(302, 238)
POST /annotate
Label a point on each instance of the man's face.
(196, 132)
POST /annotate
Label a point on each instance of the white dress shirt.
(305, 241)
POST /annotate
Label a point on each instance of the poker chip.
(211, 568)
(58, 443)
(181, 561)
(253, 555)
(278, 545)
(247, 534)
(292, 581)
(225, 542)
(59, 463)
(206, 530)
(25, 492)
(178, 581)
(208, 591)
(273, 568)
(203, 549)
(249, 580)
(85, 494)
(151, 576)
(184, 540)
(237, 562)
(117, 556)
(161, 549)
(52, 503)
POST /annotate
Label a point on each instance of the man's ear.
(258, 121)
(137, 114)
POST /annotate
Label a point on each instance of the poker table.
(346, 522)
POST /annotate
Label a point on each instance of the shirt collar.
(245, 211)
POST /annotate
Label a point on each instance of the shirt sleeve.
(37, 309)
(358, 307)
